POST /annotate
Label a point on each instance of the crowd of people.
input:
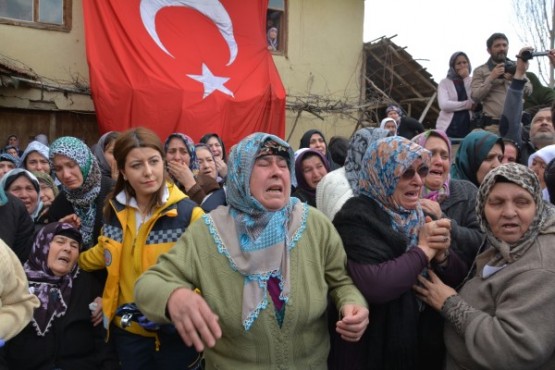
(396, 248)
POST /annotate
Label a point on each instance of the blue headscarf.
(357, 147)
(257, 241)
(385, 162)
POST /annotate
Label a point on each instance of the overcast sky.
(433, 30)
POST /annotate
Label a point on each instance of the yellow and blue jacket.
(126, 253)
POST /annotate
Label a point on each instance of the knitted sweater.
(505, 321)
(317, 268)
(16, 303)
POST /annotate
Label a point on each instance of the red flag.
(190, 66)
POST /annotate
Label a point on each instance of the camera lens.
(526, 55)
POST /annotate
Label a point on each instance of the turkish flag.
(190, 66)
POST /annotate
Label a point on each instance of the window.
(45, 14)
(275, 26)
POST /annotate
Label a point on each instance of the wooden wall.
(28, 123)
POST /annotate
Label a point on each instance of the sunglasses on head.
(409, 174)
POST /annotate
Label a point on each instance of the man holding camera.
(490, 82)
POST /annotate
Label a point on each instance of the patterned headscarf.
(53, 292)
(421, 139)
(256, 241)
(542, 223)
(189, 144)
(451, 73)
(301, 181)
(386, 160)
(83, 198)
(473, 150)
(357, 147)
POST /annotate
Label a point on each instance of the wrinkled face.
(461, 65)
(270, 182)
(510, 153)
(493, 160)
(177, 152)
(215, 147)
(5, 167)
(439, 164)
(407, 192)
(539, 166)
(509, 211)
(46, 194)
(542, 132)
(67, 171)
(207, 165)
(313, 170)
(393, 114)
(144, 170)
(23, 189)
(317, 143)
(62, 255)
(499, 50)
(36, 162)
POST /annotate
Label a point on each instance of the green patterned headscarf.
(83, 198)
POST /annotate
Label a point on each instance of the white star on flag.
(211, 82)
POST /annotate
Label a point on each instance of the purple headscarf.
(53, 292)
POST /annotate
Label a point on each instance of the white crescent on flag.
(212, 9)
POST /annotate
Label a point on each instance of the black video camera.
(526, 55)
(510, 67)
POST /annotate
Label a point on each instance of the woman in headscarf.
(207, 179)
(25, 186)
(64, 331)
(35, 158)
(216, 145)
(314, 139)
(389, 124)
(272, 38)
(48, 190)
(143, 218)
(479, 152)
(453, 96)
(103, 150)
(183, 167)
(83, 191)
(389, 243)
(341, 184)
(264, 265)
(310, 167)
(445, 197)
(538, 162)
(502, 318)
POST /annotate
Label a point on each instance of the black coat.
(61, 207)
(70, 343)
(16, 227)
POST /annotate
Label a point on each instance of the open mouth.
(435, 173)
(275, 189)
(63, 259)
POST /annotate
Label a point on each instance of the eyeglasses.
(409, 174)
